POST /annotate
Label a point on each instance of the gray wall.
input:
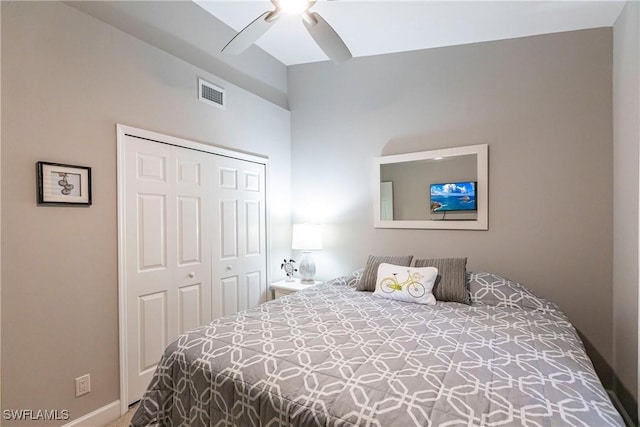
(184, 30)
(67, 79)
(543, 104)
(626, 140)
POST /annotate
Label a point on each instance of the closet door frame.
(122, 131)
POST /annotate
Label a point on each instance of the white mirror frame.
(480, 223)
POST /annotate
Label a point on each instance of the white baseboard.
(99, 417)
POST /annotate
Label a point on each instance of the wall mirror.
(437, 189)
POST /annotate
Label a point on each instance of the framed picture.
(60, 184)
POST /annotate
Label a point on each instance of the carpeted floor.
(124, 420)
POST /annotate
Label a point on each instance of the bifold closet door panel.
(193, 204)
(167, 251)
(239, 257)
(149, 255)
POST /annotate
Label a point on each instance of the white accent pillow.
(410, 284)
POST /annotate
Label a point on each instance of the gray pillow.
(370, 274)
(451, 283)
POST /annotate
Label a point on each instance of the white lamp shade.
(307, 237)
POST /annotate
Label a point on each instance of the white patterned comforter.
(332, 356)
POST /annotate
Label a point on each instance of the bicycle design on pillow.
(413, 284)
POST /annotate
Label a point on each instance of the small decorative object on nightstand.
(289, 269)
(283, 287)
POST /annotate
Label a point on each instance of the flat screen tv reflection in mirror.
(453, 197)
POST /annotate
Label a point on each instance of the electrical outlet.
(83, 385)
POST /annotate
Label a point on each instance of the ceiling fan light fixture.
(294, 7)
(319, 29)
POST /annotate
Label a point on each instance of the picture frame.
(62, 185)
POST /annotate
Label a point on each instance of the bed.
(333, 356)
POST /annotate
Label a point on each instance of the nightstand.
(282, 287)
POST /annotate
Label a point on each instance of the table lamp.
(307, 237)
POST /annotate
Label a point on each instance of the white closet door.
(239, 259)
(193, 237)
(167, 251)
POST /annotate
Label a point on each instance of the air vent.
(211, 94)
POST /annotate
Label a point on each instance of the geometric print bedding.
(332, 356)
(491, 289)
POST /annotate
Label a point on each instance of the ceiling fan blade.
(326, 37)
(251, 33)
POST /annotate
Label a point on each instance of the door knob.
(229, 268)
(192, 275)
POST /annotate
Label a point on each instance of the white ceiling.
(373, 27)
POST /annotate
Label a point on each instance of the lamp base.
(307, 268)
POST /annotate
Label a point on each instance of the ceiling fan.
(323, 34)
